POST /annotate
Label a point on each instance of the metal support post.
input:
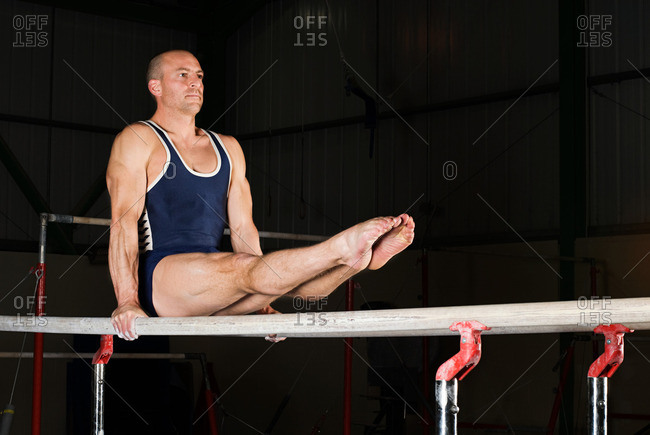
(599, 373)
(347, 368)
(446, 406)
(99, 368)
(37, 376)
(597, 394)
(454, 370)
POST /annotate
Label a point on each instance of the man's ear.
(154, 87)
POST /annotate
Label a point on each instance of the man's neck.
(176, 123)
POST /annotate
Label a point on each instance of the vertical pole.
(37, 382)
(566, 368)
(573, 171)
(446, 406)
(347, 370)
(453, 370)
(98, 393)
(425, 342)
(597, 405)
(100, 360)
(602, 369)
(209, 400)
(211, 49)
(593, 272)
(7, 418)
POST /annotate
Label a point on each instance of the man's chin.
(191, 109)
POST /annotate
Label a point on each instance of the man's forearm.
(123, 264)
(245, 239)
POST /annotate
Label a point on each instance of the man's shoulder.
(136, 135)
(223, 137)
(134, 129)
(231, 144)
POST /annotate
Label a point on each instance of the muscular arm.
(126, 179)
(243, 233)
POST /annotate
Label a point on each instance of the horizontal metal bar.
(521, 256)
(88, 355)
(68, 219)
(82, 220)
(169, 15)
(528, 318)
(445, 105)
(287, 236)
(45, 122)
(429, 108)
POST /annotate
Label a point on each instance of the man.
(176, 181)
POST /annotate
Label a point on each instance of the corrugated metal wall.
(620, 163)
(413, 54)
(96, 66)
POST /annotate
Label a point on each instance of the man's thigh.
(196, 284)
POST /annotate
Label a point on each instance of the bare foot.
(393, 242)
(356, 242)
(267, 310)
(273, 338)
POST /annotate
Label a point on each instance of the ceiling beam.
(178, 18)
(31, 192)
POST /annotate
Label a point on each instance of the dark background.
(506, 128)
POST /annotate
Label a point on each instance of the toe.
(410, 222)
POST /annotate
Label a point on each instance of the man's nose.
(195, 83)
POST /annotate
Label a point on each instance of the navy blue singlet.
(185, 211)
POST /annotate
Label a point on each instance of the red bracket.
(464, 361)
(105, 350)
(608, 363)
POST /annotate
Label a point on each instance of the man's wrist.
(128, 302)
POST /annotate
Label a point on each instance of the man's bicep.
(240, 203)
(126, 179)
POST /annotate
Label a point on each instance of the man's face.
(181, 86)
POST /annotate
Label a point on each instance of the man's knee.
(241, 266)
(247, 270)
(253, 276)
(248, 274)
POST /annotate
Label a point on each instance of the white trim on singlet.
(167, 162)
(190, 170)
(225, 150)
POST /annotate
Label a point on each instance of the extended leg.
(326, 282)
(387, 246)
(318, 287)
(203, 284)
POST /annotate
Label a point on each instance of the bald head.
(155, 69)
(175, 81)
